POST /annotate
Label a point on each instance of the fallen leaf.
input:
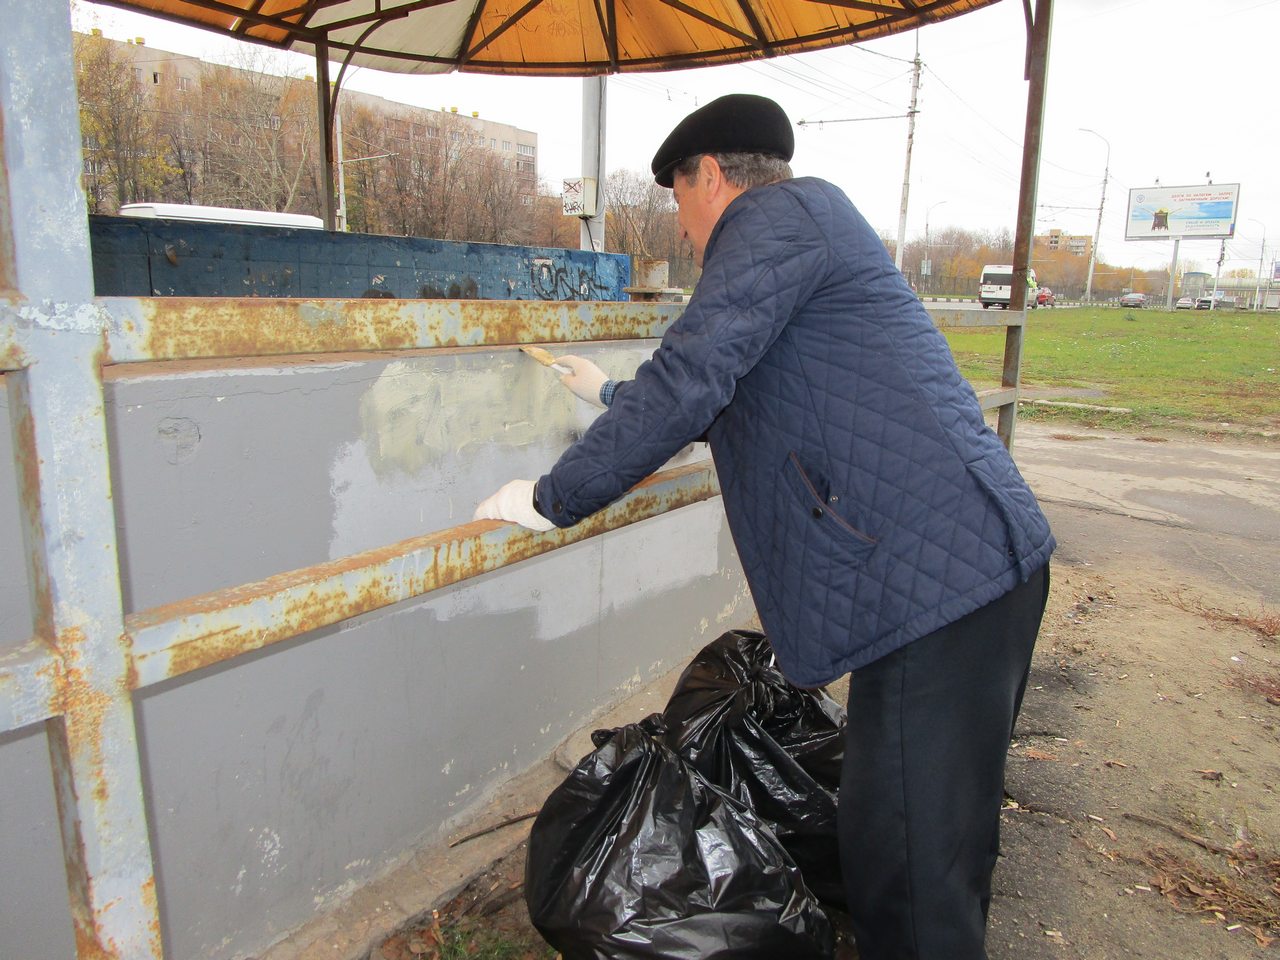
(1215, 775)
(1033, 754)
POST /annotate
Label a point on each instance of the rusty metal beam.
(183, 328)
(27, 685)
(68, 524)
(997, 398)
(947, 317)
(11, 356)
(78, 662)
(180, 637)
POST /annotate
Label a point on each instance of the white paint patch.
(269, 847)
(447, 768)
(418, 411)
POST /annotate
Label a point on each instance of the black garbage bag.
(635, 855)
(773, 745)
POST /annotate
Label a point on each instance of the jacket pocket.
(1000, 494)
(813, 514)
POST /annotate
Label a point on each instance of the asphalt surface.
(1225, 492)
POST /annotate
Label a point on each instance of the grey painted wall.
(282, 781)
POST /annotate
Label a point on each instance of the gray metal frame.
(79, 671)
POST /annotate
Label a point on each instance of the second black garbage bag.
(773, 745)
(635, 855)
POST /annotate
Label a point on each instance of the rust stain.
(443, 558)
(190, 328)
(226, 327)
(318, 607)
(524, 321)
(83, 706)
(151, 905)
(89, 946)
(11, 357)
(28, 463)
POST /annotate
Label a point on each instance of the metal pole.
(1222, 255)
(1037, 71)
(1097, 233)
(1257, 287)
(57, 413)
(324, 104)
(906, 173)
(594, 99)
(341, 220)
(1173, 274)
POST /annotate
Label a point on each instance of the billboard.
(1165, 213)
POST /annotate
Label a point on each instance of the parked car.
(1133, 300)
(1220, 302)
(1185, 303)
(1045, 297)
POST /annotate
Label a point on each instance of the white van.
(197, 214)
(995, 286)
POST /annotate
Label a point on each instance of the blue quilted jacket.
(869, 502)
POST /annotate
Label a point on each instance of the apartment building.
(1056, 241)
(199, 141)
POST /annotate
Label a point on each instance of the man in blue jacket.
(883, 528)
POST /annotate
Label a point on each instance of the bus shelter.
(100, 661)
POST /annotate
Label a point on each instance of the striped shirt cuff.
(606, 392)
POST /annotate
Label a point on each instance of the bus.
(194, 213)
(995, 286)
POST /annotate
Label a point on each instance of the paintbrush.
(545, 358)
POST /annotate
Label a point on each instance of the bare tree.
(125, 159)
(259, 134)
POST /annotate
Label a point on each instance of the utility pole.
(341, 217)
(594, 99)
(906, 174)
(1097, 233)
(1222, 255)
(340, 223)
(1262, 251)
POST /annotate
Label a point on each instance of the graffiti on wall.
(557, 281)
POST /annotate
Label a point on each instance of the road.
(1211, 506)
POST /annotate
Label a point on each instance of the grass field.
(1182, 370)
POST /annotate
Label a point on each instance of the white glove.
(585, 380)
(514, 502)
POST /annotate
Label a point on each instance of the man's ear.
(709, 170)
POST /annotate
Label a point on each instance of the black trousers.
(923, 780)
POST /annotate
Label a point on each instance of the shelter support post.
(57, 412)
(1037, 73)
(325, 106)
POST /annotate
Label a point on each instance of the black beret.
(737, 123)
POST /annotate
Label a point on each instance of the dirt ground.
(1143, 818)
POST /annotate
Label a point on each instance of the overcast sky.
(1183, 90)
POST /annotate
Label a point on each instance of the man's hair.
(745, 170)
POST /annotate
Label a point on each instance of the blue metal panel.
(169, 258)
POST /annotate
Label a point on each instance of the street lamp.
(1257, 287)
(1097, 233)
(928, 258)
